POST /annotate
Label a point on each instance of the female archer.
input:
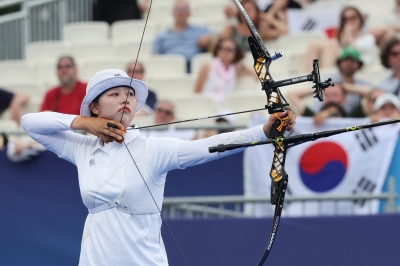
(122, 185)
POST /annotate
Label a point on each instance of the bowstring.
(123, 111)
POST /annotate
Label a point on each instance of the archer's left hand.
(290, 122)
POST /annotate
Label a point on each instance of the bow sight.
(276, 101)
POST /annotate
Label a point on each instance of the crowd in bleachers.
(198, 63)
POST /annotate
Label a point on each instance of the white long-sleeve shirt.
(130, 234)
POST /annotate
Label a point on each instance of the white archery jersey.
(130, 233)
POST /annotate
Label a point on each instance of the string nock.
(278, 54)
(282, 120)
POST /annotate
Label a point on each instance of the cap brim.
(140, 88)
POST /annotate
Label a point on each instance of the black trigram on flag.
(364, 186)
(308, 24)
(366, 138)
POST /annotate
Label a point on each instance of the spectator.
(228, 120)
(276, 18)
(390, 58)
(164, 112)
(350, 33)
(218, 78)
(14, 102)
(67, 97)
(111, 11)
(348, 63)
(241, 32)
(390, 28)
(138, 72)
(182, 38)
(335, 94)
(387, 106)
(366, 106)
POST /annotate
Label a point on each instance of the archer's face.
(111, 105)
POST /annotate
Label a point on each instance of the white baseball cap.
(111, 78)
(386, 98)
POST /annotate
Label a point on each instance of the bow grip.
(279, 127)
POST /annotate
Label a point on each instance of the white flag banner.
(349, 163)
(300, 20)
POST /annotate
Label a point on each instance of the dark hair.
(338, 107)
(385, 51)
(70, 58)
(341, 25)
(96, 100)
(239, 15)
(238, 51)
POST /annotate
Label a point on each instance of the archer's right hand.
(98, 127)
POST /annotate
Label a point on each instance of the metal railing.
(38, 20)
(232, 206)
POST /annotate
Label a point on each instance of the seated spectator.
(111, 11)
(218, 78)
(23, 149)
(390, 59)
(68, 96)
(240, 31)
(348, 63)
(14, 102)
(335, 94)
(350, 33)
(228, 121)
(366, 106)
(138, 72)
(182, 38)
(276, 18)
(387, 106)
(164, 112)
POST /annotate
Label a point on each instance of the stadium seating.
(170, 87)
(16, 71)
(33, 88)
(198, 61)
(94, 66)
(94, 51)
(194, 107)
(129, 50)
(131, 30)
(166, 66)
(95, 31)
(245, 101)
(32, 106)
(8, 125)
(298, 43)
(44, 52)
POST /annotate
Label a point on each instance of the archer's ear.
(94, 108)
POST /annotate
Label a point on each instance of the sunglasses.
(349, 18)
(137, 70)
(226, 49)
(181, 9)
(395, 53)
(64, 66)
(167, 112)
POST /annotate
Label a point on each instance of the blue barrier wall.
(42, 217)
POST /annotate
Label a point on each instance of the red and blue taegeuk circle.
(323, 166)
